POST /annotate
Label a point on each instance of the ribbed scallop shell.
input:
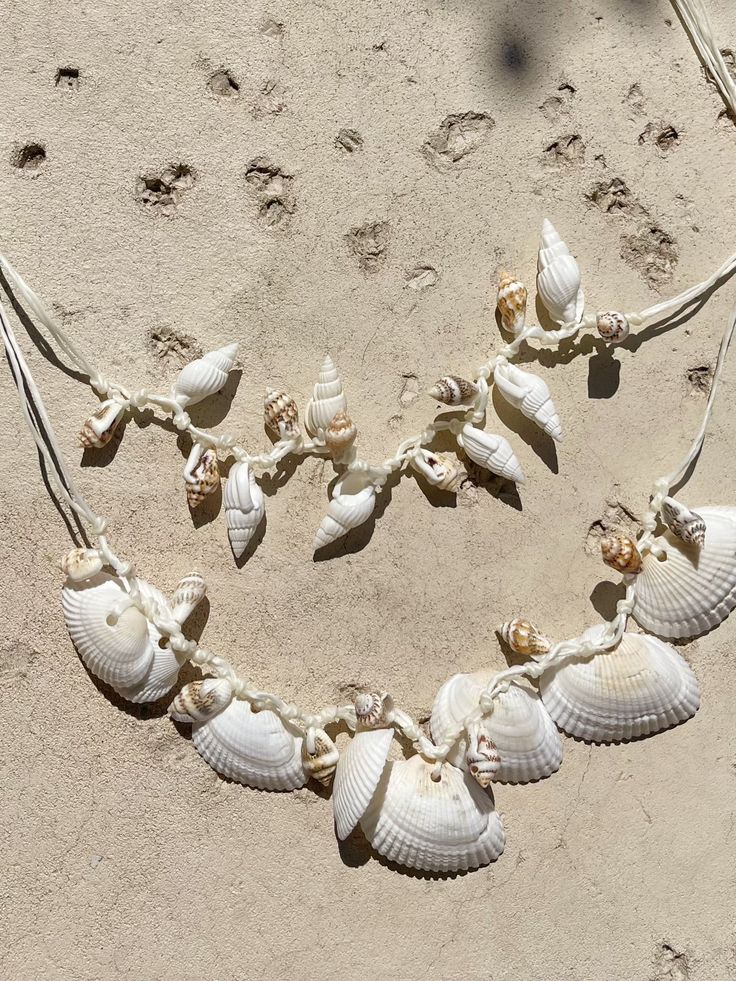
(694, 588)
(81, 564)
(280, 414)
(352, 503)
(682, 522)
(558, 278)
(492, 452)
(620, 552)
(201, 700)
(328, 399)
(205, 376)
(530, 395)
(453, 390)
(637, 689)
(520, 726)
(254, 748)
(511, 300)
(447, 825)
(163, 671)
(357, 775)
(245, 507)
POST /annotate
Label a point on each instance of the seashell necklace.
(432, 811)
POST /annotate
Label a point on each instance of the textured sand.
(123, 854)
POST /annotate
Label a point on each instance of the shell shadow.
(211, 411)
(605, 595)
(540, 443)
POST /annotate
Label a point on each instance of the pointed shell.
(281, 415)
(453, 390)
(340, 434)
(511, 300)
(328, 399)
(319, 756)
(492, 452)
(481, 758)
(690, 589)
(189, 593)
(352, 503)
(245, 507)
(98, 430)
(356, 778)
(682, 522)
(201, 700)
(621, 553)
(613, 327)
(526, 738)
(81, 564)
(524, 638)
(530, 395)
(444, 825)
(558, 278)
(205, 376)
(638, 688)
(437, 469)
(201, 474)
(254, 748)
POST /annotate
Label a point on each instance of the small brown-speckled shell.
(482, 758)
(620, 553)
(340, 434)
(98, 430)
(321, 763)
(687, 525)
(453, 390)
(81, 563)
(613, 327)
(524, 638)
(280, 414)
(201, 700)
(512, 297)
(371, 709)
(203, 479)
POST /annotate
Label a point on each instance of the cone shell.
(529, 394)
(693, 588)
(637, 689)
(526, 738)
(621, 553)
(492, 452)
(444, 825)
(189, 593)
(453, 390)
(558, 278)
(352, 504)
(682, 522)
(511, 300)
(328, 399)
(438, 470)
(81, 564)
(253, 748)
(482, 759)
(245, 507)
(340, 434)
(320, 764)
(612, 327)
(524, 638)
(201, 474)
(281, 415)
(356, 778)
(205, 376)
(98, 430)
(201, 700)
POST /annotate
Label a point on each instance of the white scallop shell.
(492, 452)
(205, 376)
(529, 393)
(356, 778)
(328, 399)
(639, 688)
(558, 278)
(434, 826)
(254, 748)
(201, 700)
(352, 503)
(694, 588)
(245, 506)
(163, 671)
(520, 726)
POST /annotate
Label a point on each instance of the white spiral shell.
(520, 726)
(640, 687)
(529, 393)
(492, 452)
(201, 700)
(205, 376)
(356, 777)
(692, 588)
(245, 506)
(328, 399)
(352, 503)
(254, 748)
(444, 825)
(558, 278)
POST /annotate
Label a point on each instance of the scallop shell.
(98, 430)
(245, 507)
(328, 399)
(481, 758)
(613, 327)
(683, 522)
(201, 700)
(511, 300)
(453, 390)
(637, 689)
(340, 434)
(320, 757)
(254, 748)
(444, 825)
(693, 588)
(280, 414)
(524, 638)
(530, 395)
(520, 726)
(492, 452)
(189, 593)
(558, 278)
(352, 503)
(621, 553)
(356, 778)
(438, 470)
(201, 474)
(205, 376)
(110, 633)
(163, 671)
(81, 564)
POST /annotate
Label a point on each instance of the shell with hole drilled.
(201, 700)
(621, 553)
(328, 399)
(99, 429)
(245, 507)
(691, 588)
(81, 564)
(524, 638)
(530, 395)
(558, 278)
(340, 435)
(201, 474)
(205, 376)
(319, 756)
(280, 414)
(525, 736)
(353, 502)
(357, 775)
(437, 469)
(190, 591)
(640, 687)
(682, 522)
(492, 452)
(511, 300)
(445, 825)
(452, 390)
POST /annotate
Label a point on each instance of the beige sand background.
(123, 854)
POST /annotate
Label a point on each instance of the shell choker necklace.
(433, 811)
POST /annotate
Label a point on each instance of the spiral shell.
(98, 430)
(524, 638)
(621, 553)
(201, 474)
(511, 301)
(280, 414)
(81, 564)
(492, 452)
(340, 434)
(558, 278)
(319, 756)
(205, 376)
(190, 591)
(328, 399)
(373, 709)
(352, 503)
(453, 390)
(681, 521)
(530, 395)
(481, 757)
(245, 507)
(612, 327)
(438, 470)
(201, 700)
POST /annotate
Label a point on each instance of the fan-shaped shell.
(558, 278)
(520, 726)
(356, 778)
(205, 376)
(201, 700)
(254, 748)
(446, 825)
(328, 399)
(530, 395)
(352, 503)
(245, 507)
(640, 687)
(692, 589)
(492, 452)
(163, 671)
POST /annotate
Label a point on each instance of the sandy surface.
(123, 854)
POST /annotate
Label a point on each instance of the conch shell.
(353, 501)
(492, 452)
(558, 278)
(511, 301)
(529, 394)
(524, 638)
(189, 593)
(245, 507)
(201, 474)
(681, 521)
(98, 430)
(328, 399)
(280, 414)
(205, 376)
